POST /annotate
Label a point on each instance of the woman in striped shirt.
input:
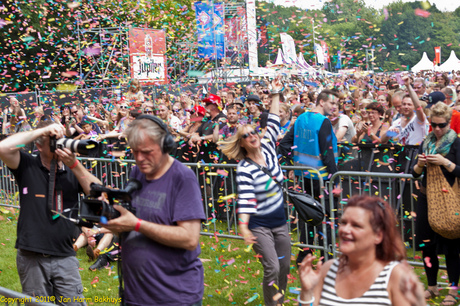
(369, 271)
(261, 214)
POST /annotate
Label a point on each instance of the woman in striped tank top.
(369, 271)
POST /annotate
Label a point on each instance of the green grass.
(233, 275)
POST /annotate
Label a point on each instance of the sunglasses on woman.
(248, 134)
(440, 125)
(123, 107)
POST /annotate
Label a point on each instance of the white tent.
(423, 64)
(280, 58)
(304, 65)
(452, 63)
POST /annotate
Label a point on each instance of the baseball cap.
(434, 98)
(212, 99)
(199, 110)
(253, 98)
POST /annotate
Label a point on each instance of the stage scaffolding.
(110, 68)
(102, 57)
(188, 67)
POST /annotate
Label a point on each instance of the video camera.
(92, 209)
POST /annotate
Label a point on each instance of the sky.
(442, 5)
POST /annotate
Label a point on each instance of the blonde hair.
(441, 110)
(285, 107)
(232, 146)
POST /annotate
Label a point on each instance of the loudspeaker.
(168, 142)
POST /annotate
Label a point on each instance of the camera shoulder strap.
(54, 193)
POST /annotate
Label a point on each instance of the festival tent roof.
(304, 65)
(452, 63)
(423, 64)
(280, 58)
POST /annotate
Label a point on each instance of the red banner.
(437, 55)
(147, 50)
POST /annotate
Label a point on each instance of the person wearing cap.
(187, 153)
(257, 113)
(206, 130)
(411, 128)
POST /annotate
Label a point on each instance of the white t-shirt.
(413, 133)
(175, 123)
(344, 120)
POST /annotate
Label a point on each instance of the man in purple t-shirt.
(161, 242)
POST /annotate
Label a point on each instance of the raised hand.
(309, 277)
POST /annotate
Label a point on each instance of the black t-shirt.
(207, 128)
(37, 231)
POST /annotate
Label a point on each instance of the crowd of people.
(264, 124)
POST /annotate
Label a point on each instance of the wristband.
(306, 302)
(243, 222)
(138, 225)
(74, 164)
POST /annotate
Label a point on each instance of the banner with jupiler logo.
(147, 50)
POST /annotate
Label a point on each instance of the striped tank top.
(376, 295)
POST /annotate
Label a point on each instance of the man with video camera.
(46, 261)
(160, 242)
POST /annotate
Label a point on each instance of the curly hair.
(441, 110)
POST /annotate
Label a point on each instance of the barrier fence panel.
(397, 189)
(219, 193)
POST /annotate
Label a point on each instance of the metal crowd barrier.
(397, 189)
(217, 183)
(10, 297)
(218, 187)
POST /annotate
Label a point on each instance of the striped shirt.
(258, 194)
(376, 295)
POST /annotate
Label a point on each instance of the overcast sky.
(443, 5)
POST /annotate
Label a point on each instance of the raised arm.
(9, 147)
(417, 105)
(277, 87)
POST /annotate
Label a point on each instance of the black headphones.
(168, 144)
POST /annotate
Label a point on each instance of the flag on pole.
(288, 45)
(327, 59)
(437, 55)
(319, 54)
(339, 60)
(210, 28)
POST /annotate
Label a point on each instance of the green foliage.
(397, 34)
(35, 32)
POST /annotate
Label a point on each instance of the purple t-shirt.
(153, 273)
